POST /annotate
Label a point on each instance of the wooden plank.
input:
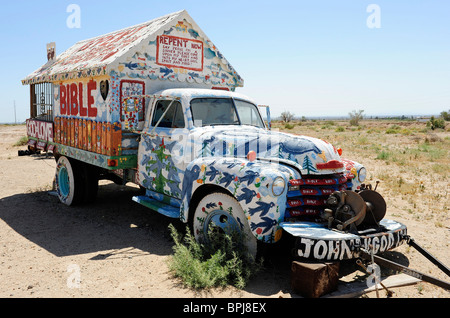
(94, 137)
(356, 289)
(396, 281)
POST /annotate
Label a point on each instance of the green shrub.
(288, 126)
(384, 155)
(434, 123)
(219, 264)
(22, 141)
(394, 129)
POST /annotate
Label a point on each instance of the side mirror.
(269, 124)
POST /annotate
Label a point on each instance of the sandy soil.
(121, 249)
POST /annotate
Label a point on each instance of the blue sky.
(313, 58)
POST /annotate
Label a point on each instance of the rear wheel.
(68, 181)
(219, 214)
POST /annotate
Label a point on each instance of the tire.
(225, 215)
(68, 180)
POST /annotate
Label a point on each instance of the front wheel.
(219, 213)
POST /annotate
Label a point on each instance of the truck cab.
(208, 158)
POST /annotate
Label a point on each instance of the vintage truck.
(155, 105)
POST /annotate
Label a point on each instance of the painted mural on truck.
(181, 53)
(176, 167)
(249, 182)
(169, 49)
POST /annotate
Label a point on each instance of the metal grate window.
(42, 102)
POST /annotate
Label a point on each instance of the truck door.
(160, 162)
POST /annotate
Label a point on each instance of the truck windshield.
(223, 111)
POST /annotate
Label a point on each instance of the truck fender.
(250, 183)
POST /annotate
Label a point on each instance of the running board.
(158, 206)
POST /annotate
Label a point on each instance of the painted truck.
(155, 105)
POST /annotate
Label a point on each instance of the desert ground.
(117, 248)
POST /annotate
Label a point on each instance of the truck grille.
(306, 197)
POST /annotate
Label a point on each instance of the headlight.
(362, 174)
(278, 186)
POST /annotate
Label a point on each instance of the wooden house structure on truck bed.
(77, 99)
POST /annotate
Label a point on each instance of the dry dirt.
(121, 249)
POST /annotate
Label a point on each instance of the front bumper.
(315, 241)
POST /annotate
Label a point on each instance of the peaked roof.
(91, 57)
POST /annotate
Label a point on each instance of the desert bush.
(356, 117)
(288, 126)
(384, 155)
(204, 266)
(22, 141)
(394, 129)
(287, 116)
(435, 123)
(406, 132)
(430, 138)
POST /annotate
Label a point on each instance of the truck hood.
(309, 155)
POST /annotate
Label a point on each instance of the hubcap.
(63, 182)
(221, 222)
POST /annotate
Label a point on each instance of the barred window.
(42, 101)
